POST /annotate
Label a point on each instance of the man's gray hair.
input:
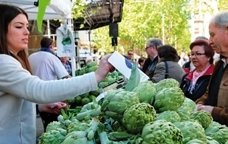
(154, 42)
(221, 19)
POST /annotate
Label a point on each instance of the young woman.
(19, 90)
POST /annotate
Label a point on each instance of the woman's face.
(198, 57)
(18, 34)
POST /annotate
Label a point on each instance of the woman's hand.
(104, 68)
(54, 108)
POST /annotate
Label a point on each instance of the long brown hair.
(7, 14)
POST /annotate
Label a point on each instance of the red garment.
(208, 72)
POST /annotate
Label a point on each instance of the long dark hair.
(7, 14)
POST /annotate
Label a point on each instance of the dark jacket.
(149, 66)
(200, 86)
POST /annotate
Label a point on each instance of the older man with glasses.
(215, 100)
(151, 49)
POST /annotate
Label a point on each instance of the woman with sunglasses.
(194, 83)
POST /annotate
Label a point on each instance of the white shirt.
(47, 66)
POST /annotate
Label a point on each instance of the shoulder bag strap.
(166, 70)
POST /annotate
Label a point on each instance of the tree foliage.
(165, 19)
(222, 4)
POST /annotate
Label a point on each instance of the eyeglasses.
(197, 54)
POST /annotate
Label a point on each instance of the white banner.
(65, 42)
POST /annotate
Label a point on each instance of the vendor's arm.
(16, 81)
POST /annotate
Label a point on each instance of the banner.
(65, 42)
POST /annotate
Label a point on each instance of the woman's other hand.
(54, 108)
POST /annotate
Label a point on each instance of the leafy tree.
(165, 19)
(222, 4)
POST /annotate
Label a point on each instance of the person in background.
(67, 64)
(47, 66)
(167, 66)
(141, 61)
(19, 90)
(216, 56)
(151, 49)
(188, 66)
(194, 83)
(215, 99)
(96, 55)
(183, 59)
(130, 55)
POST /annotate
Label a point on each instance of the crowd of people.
(204, 77)
(44, 80)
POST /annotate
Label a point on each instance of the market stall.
(48, 10)
(138, 112)
(57, 9)
(149, 114)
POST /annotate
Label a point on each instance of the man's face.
(219, 39)
(130, 55)
(151, 51)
